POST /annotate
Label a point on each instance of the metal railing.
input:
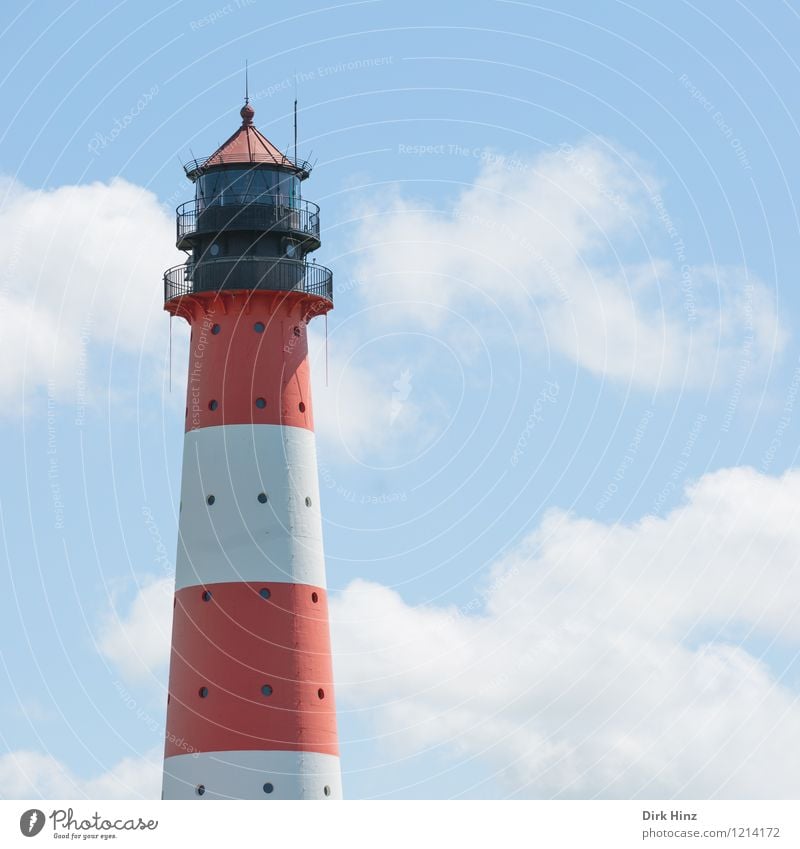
(248, 212)
(270, 273)
(196, 166)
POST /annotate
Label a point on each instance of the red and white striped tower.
(250, 710)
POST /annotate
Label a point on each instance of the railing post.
(277, 274)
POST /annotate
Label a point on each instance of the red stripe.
(230, 370)
(233, 645)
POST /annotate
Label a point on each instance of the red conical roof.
(247, 145)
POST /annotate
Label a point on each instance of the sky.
(557, 406)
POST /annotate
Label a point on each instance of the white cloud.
(544, 245)
(28, 774)
(369, 404)
(137, 641)
(82, 267)
(607, 660)
(82, 283)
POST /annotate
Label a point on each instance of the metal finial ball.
(247, 112)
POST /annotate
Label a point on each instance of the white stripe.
(242, 775)
(237, 538)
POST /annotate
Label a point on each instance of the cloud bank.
(82, 268)
(606, 660)
(611, 661)
(576, 249)
(27, 774)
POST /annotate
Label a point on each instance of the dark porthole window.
(302, 407)
(202, 692)
(206, 595)
(259, 327)
(210, 500)
(216, 329)
(261, 403)
(212, 405)
(308, 501)
(264, 592)
(200, 789)
(314, 597)
(320, 693)
(262, 497)
(266, 690)
(268, 788)
(326, 790)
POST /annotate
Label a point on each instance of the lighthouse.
(250, 705)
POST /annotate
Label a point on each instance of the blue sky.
(559, 436)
